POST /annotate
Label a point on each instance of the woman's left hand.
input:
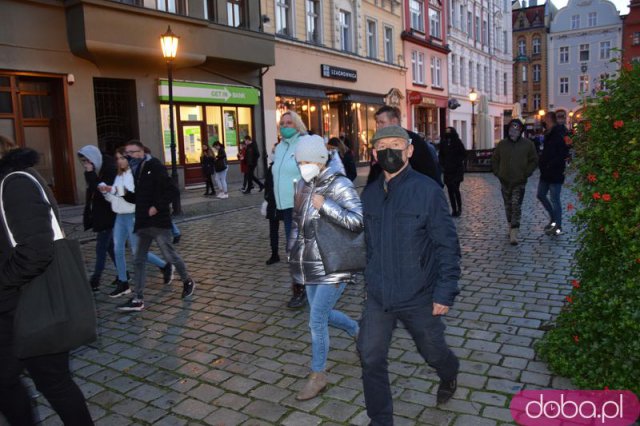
(317, 201)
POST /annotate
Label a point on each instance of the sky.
(621, 5)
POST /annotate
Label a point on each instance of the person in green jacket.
(514, 160)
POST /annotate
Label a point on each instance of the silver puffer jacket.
(341, 206)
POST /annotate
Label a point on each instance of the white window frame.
(524, 73)
(593, 19)
(469, 24)
(346, 31)
(564, 53)
(605, 50)
(388, 44)
(537, 73)
(417, 67)
(575, 22)
(497, 83)
(462, 73)
(454, 69)
(487, 87)
(478, 77)
(463, 15)
(537, 45)
(436, 72)
(583, 83)
(563, 84)
(435, 23)
(584, 48)
(522, 47)
(537, 101)
(470, 71)
(372, 38)
(416, 10)
(505, 83)
(315, 18)
(284, 8)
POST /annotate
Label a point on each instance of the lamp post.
(473, 97)
(169, 42)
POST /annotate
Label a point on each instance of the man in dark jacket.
(252, 154)
(552, 164)
(513, 161)
(98, 215)
(424, 158)
(413, 267)
(153, 196)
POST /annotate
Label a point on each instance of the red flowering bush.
(596, 340)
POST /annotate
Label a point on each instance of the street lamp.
(570, 119)
(541, 113)
(169, 42)
(473, 97)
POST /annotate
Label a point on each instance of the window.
(536, 101)
(505, 40)
(603, 81)
(575, 22)
(522, 47)
(417, 65)
(583, 83)
(372, 39)
(470, 74)
(593, 19)
(635, 40)
(172, 6)
(388, 44)
(345, 31)
(564, 85)
(584, 52)
(469, 24)
(477, 29)
(523, 102)
(454, 69)
(436, 79)
(313, 21)
(417, 14)
(462, 74)
(283, 18)
(462, 15)
(536, 45)
(505, 80)
(478, 78)
(564, 55)
(487, 86)
(524, 73)
(497, 83)
(605, 50)
(536, 73)
(485, 32)
(235, 13)
(434, 23)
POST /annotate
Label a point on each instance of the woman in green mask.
(285, 173)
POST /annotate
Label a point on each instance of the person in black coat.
(252, 154)
(452, 156)
(344, 151)
(98, 215)
(273, 215)
(207, 161)
(28, 217)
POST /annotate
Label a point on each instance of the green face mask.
(288, 132)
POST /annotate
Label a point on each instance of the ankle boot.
(315, 384)
(275, 258)
(513, 236)
(298, 297)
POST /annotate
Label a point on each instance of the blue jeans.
(287, 218)
(221, 180)
(123, 231)
(376, 329)
(553, 207)
(322, 298)
(104, 245)
(174, 229)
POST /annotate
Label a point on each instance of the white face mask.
(309, 171)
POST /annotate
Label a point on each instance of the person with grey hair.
(412, 272)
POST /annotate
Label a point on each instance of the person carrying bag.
(39, 270)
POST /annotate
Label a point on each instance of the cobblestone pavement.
(233, 355)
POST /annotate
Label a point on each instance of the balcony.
(114, 32)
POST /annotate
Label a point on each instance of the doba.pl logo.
(575, 407)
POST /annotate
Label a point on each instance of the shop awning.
(299, 91)
(366, 99)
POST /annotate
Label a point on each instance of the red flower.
(569, 206)
(616, 175)
(575, 283)
(591, 177)
(567, 140)
(587, 126)
(569, 299)
(638, 260)
(606, 98)
(596, 196)
(576, 339)
(627, 67)
(606, 198)
(618, 124)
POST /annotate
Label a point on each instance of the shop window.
(166, 134)
(7, 128)
(231, 129)
(6, 106)
(191, 113)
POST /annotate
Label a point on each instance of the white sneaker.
(225, 195)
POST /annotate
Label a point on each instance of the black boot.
(275, 258)
(299, 297)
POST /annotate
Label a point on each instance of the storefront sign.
(336, 73)
(184, 91)
(415, 97)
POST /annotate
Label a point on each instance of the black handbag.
(341, 250)
(56, 310)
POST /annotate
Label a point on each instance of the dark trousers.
(453, 188)
(376, 329)
(287, 218)
(250, 178)
(208, 180)
(274, 230)
(513, 197)
(52, 378)
(104, 246)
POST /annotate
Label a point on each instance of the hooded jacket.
(98, 215)
(554, 155)
(285, 172)
(513, 162)
(342, 206)
(153, 188)
(28, 217)
(452, 156)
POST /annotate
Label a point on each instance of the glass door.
(192, 136)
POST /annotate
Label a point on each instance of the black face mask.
(390, 159)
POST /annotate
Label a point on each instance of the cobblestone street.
(234, 355)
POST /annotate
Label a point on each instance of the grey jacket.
(342, 206)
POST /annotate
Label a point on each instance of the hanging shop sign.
(337, 73)
(185, 91)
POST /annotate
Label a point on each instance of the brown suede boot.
(316, 383)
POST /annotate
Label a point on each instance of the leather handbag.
(341, 250)
(56, 310)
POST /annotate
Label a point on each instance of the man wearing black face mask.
(514, 160)
(412, 271)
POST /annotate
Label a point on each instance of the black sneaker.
(133, 305)
(122, 288)
(95, 283)
(167, 273)
(273, 259)
(556, 231)
(176, 239)
(446, 391)
(297, 301)
(188, 288)
(549, 227)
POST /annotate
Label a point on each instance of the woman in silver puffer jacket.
(324, 191)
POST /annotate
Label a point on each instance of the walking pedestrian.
(412, 271)
(252, 154)
(322, 192)
(98, 215)
(30, 222)
(452, 156)
(553, 160)
(221, 167)
(514, 160)
(243, 165)
(207, 160)
(120, 196)
(285, 175)
(154, 192)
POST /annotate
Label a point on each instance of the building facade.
(425, 52)
(530, 60)
(631, 34)
(480, 60)
(92, 72)
(337, 62)
(581, 39)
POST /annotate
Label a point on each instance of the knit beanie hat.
(311, 148)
